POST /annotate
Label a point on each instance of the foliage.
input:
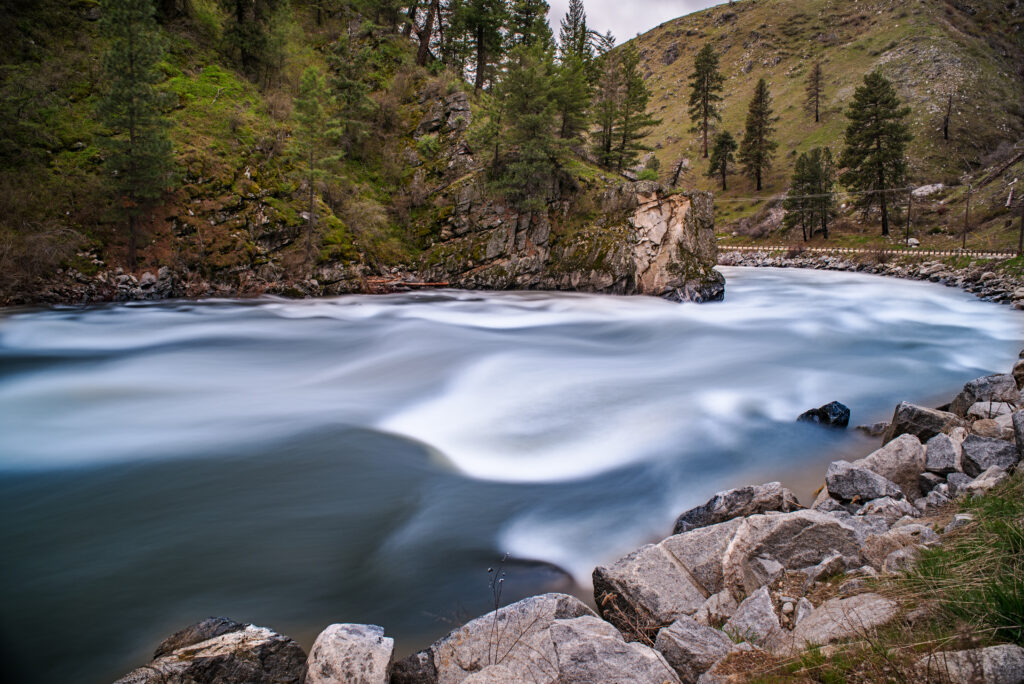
(876, 144)
(138, 150)
(810, 203)
(706, 83)
(758, 147)
(574, 38)
(722, 156)
(312, 132)
(248, 39)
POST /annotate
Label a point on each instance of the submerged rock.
(833, 415)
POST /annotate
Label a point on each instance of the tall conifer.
(138, 153)
(705, 83)
(758, 148)
(815, 91)
(876, 144)
(722, 156)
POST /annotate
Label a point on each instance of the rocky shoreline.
(980, 281)
(748, 578)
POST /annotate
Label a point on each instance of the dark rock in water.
(193, 634)
(832, 414)
(250, 655)
(738, 503)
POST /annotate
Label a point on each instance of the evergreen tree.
(573, 94)
(876, 144)
(722, 156)
(527, 22)
(310, 138)
(815, 91)
(758, 148)
(633, 122)
(705, 83)
(574, 36)
(481, 24)
(138, 153)
(811, 203)
(354, 108)
(530, 149)
(248, 36)
(607, 100)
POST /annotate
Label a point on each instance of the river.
(367, 458)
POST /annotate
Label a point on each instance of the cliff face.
(644, 240)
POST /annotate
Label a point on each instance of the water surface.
(366, 459)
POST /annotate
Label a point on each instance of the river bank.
(980, 279)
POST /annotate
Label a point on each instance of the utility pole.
(910, 206)
(967, 216)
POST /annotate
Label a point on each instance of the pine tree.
(722, 156)
(310, 138)
(810, 202)
(758, 148)
(138, 153)
(705, 83)
(527, 22)
(573, 94)
(607, 100)
(530, 151)
(480, 23)
(350, 90)
(633, 122)
(815, 91)
(248, 33)
(574, 36)
(876, 144)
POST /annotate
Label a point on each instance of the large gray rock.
(576, 651)
(989, 409)
(738, 503)
(890, 509)
(1018, 374)
(657, 584)
(923, 423)
(354, 654)
(251, 655)
(877, 548)
(837, 619)
(986, 481)
(957, 482)
(193, 634)
(1001, 387)
(848, 482)
(516, 637)
(1018, 432)
(791, 541)
(755, 620)
(993, 665)
(901, 460)
(692, 648)
(981, 453)
(942, 455)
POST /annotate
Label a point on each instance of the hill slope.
(972, 50)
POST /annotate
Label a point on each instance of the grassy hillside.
(972, 50)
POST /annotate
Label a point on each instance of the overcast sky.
(626, 18)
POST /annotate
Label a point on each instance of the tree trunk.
(312, 207)
(481, 56)
(705, 133)
(817, 106)
(132, 242)
(945, 122)
(425, 33)
(411, 16)
(885, 216)
(758, 174)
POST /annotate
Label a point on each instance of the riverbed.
(368, 458)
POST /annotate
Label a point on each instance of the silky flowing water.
(366, 459)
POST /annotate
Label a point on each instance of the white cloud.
(626, 18)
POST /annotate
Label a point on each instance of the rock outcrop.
(647, 240)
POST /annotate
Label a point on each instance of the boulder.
(990, 428)
(986, 481)
(874, 429)
(1018, 374)
(692, 648)
(890, 509)
(755, 620)
(717, 610)
(736, 667)
(901, 560)
(989, 409)
(516, 638)
(957, 482)
(901, 460)
(981, 453)
(923, 423)
(738, 503)
(840, 618)
(1018, 432)
(942, 455)
(959, 520)
(193, 634)
(878, 547)
(833, 415)
(848, 482)
(926, 482)
(589, 649)
(701, 550)
(251, 655)
(791, 541)
(355, 654)
(1001, 387)
(1002, 664)
(935, 500)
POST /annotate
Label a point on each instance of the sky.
(626, 18)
